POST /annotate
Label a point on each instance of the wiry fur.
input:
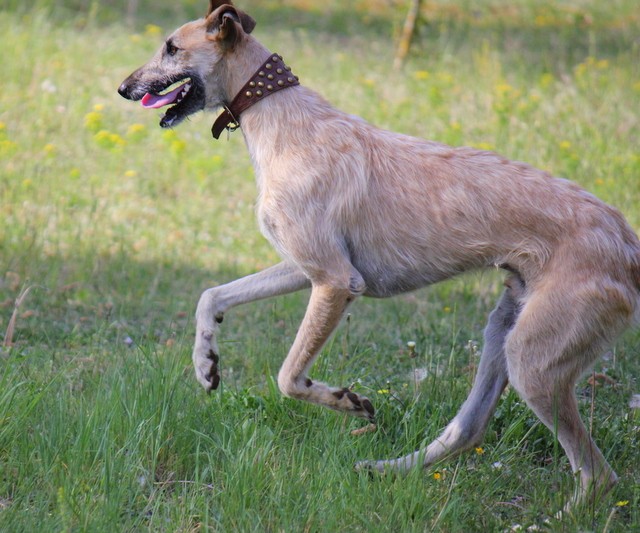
(355, 210)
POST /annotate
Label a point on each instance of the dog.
(357, 211)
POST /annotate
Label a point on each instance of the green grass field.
(114, 227)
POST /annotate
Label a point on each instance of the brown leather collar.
(272, 76)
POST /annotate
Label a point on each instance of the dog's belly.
(378, 286)
(395, 262)
(385, 279)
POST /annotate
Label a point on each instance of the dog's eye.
(171, 48)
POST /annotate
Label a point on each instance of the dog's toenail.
(213, 356)
(368, 407)
(354, 399)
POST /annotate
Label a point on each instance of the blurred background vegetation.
(621, 17)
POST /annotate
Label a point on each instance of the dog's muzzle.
(186, 98)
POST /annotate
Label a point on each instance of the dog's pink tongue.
(153, 101)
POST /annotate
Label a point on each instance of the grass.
(117, 226)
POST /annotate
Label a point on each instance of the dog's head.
(184, 73)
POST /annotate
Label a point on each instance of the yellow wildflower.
(136, 132)
(116, 140)
(93, 121)
(484, 146)
(541, 20)
(169, 135)
(437, 476)
(178, 146)
(106, 139)
(580, 70)
(546, 80)
(565, 145)
(479, 450)
(622, 503)
(445, 77)
(101, 136)
(151, 30)
(7, 147)
(503, 88)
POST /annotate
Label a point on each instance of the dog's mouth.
(185, 96)
(168, 96)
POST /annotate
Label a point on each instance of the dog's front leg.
(282, 278)
(326, 306)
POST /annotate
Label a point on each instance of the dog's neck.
(272, 76)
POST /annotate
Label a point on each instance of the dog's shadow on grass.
(75, 299)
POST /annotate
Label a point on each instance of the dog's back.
(411, 212)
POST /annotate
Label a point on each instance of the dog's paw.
(348, 401)
(368, 467)
(205, 361)
(338, 399)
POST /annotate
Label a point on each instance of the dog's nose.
(123, 90)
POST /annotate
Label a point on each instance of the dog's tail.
(636, 272)
(635, 276)
(631, 251)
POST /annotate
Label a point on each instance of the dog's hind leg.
(282, 278)
(326, 307)
(557, 337)
(468, 427)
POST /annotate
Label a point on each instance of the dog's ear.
(222, 17)
(215, 4)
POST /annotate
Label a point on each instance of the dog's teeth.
(184, 91)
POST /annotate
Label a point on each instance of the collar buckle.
(233, 124)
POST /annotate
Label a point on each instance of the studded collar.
(272, 76)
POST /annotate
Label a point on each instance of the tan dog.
(358, 211)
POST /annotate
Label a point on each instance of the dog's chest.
(271, 227)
